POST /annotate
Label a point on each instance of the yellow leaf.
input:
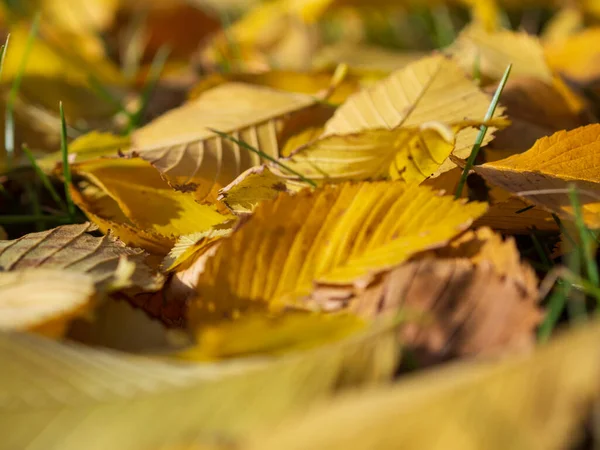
(110, 399)
(44, 300)
(576, 57)
(146, 200)
(555, 162)
(254, 186)
(286, 80)
(259, 334)
(401, 127)
(104, 212)
(536, 402)
(193, 158)
(336, 235)
(496, 50)
(72, 248)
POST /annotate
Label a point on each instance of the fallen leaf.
(192, 158)
(576, 57)
(286, 80)
(535, 402)
(495, 50)
(475, 298)
(147, 200)
(401, 127)
(335, 235)
(264, 335)
(72, 248)
(553, 163)
(535, 109)
(116, 389)
(44, 301)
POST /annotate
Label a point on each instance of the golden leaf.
(148, 201)
(401, 127)
(335, 235)
(537, 402)
(111, 398)
(280, 334)
(553, 163)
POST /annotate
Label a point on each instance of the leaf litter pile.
(300, 224)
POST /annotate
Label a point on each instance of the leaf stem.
(482, 132)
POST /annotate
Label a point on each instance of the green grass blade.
(17, 220)
(9, 125)
(36, 207)
(3, 50)
(156, 69)
(264, 156)
(587, 245)
(555, 306)
(100, 90)
(542, 251)
(65, 162)
(482, 132)
(44, 178)
(444, 27)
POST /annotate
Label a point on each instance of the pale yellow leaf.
(577, 57)
(401, 127)
(534, 402)
(554, 163)
(60, 395)
(495, 50)
(44, 300)
(342, 235)
(192, 158)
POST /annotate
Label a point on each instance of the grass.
(9, 125)
(264, 156)
(71, 211)
(482, 132)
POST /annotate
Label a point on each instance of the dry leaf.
(535, 109)
(147, 200)
(108, 399)
(535, 402)
(555, 162)
(277, 335)
(400, 127)
(496, 50)
(44, 300)
(577, 57)
(475, 298)
(72, 248)
(193, 159)
(336, 235)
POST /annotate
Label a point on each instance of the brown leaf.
(535, 109)
(478, 299)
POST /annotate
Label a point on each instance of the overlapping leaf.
(401, 127)
(335, 235)
(536, 402)
(73, 248)
(193, 159)
(44, 300)
(107, 399)
(544, 172)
